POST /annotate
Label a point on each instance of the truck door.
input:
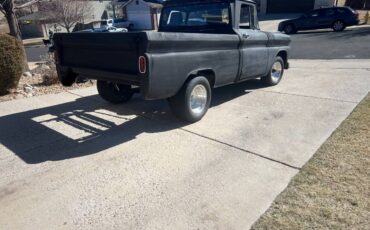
(253, 48)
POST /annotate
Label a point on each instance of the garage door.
(289, 6)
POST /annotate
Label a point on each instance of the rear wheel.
(191, 103)
(289, 29)
(114, 93)
(338, 26)
(276, 73)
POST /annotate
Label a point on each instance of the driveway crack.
(307, 96)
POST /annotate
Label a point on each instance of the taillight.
(142, 64)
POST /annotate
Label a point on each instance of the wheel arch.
(284, 55)
(207, 73)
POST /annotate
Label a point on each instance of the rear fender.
(205, 72)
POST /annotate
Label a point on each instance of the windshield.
(195, 17)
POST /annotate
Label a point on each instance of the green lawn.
(332, 191)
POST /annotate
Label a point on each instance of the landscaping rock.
(27, 74)
(28, 89)
(45, 67)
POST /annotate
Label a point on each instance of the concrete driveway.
(73, 161)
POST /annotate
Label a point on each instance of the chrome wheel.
(198, 99)
(276, 71)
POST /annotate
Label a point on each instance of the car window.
(343, 10)
(246, 12)
(327, 12)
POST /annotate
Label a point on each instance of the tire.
(289, 29)
(114, 93)
(130, 27)
(276, 72)
(338, 26)
(191, 103)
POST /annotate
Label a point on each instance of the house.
(358, 4)
(143, 14)
(291, 6)
(39, 23)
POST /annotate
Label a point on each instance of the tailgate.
(101, 52)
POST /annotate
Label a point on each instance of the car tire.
(114, 93)
(276, 72)
(289, 29)
(338, 26)
(130, 27)
(191, 103)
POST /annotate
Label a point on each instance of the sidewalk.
(33, 41)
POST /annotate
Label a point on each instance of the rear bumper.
(128, 79)
(69, 74)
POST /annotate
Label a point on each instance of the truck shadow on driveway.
(88, 126)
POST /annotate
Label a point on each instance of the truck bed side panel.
(175, 56)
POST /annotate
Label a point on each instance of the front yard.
(332, 191)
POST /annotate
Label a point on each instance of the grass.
(332, 191)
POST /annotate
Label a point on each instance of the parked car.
(110, 29)
(199, 46)
(123, 23)
(337, 18)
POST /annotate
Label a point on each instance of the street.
(34, 53)
(353, 43)
(76, 162)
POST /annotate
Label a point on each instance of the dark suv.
(337, 18)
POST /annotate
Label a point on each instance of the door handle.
(245, 36)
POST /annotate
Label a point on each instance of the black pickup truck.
(200, 45)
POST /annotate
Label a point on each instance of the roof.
(153, 3)
(36, 16)
(175, 2)
(149, 1)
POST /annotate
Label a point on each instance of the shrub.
(12, 58)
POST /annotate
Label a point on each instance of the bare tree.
(67, 13)
(7, 8)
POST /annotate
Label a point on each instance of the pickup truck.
(200, 45)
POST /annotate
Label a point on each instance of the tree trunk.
(14, 26)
